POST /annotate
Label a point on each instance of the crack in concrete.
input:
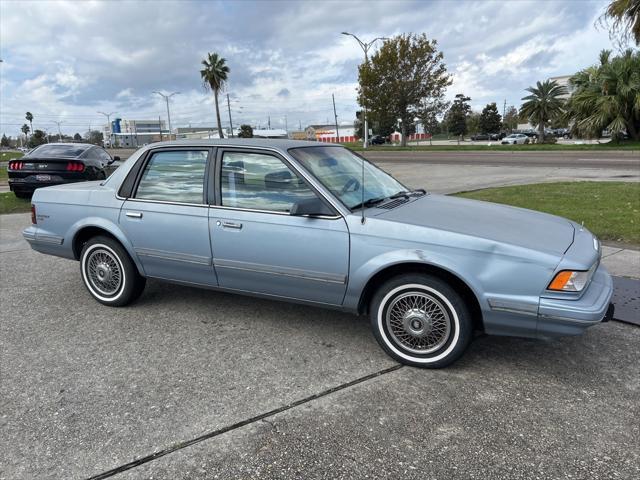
(242, 423)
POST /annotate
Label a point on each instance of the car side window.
(176, 176)
(260, 182)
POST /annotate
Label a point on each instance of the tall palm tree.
(544, 103)
(25, 129)
(607, 96)
(626, 18)
(29, 117)
(214, 77)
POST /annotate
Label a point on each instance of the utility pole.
(365, 48)
(504, 110)
(59, 131)
(286, 127)
(108, 115)
(160, 127)
(229, 109)
(336, 117)
(166, 98)
(300, 125)
(269, 121)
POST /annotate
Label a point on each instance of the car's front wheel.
(109, 273)
(420, 320)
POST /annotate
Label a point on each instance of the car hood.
(500, 223)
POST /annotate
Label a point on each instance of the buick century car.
(318, 224)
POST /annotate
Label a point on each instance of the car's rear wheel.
(109, 273)
(420, 320)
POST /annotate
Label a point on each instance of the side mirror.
(116, 158)
(312, 207)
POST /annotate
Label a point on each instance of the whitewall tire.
(420, 320)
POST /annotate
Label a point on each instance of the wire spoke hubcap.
(418, 322)
(104, 271)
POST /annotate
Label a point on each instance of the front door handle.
(237, 226)
(134, 214)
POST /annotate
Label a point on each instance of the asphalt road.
(194, 384)
(566, 158)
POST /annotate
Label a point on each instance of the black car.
(377, 140)
(487, 136)
(56, 163)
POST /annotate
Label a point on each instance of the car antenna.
(362, 189)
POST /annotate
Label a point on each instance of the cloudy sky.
(64, 61)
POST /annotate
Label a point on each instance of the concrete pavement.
(195, 384)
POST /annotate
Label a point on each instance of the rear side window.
(174, 177)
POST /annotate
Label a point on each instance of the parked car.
(377, 140)
(57, 163)
(300, 222)
(515, 139)
(487, 136)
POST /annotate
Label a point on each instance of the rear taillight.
(75, 167)
(33, 215)
(16, 165)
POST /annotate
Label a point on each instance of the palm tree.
(607, 96)
(29, 118)
(626, 19)
(214, 76)
(25, 129)
(544, 103)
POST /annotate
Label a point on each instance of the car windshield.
(340, 171)
(52, 150)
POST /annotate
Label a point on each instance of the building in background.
(134, 133)
(327, 133)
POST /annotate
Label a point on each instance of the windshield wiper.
(401, 194)
(369, 203)
(418, 191)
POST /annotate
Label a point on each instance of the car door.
(258, 246)
(166, 216)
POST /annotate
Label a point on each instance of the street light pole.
(365, 48)
(166, 98)
(59, 131)
(108, 115)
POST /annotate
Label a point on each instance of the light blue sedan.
(317, 224)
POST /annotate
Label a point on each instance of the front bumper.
(572, 316)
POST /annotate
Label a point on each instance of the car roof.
(274, 143)
(73, 150)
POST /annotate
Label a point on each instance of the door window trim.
(217, 187)
(135, 175)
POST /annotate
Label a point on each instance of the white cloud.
(65, 60)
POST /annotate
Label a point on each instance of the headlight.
(570, 281)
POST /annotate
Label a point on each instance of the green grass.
(9, 203)
(6, 156)
(424, 145)
(611, 210)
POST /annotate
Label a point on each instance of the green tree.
(490, 119)
(473, 123)
(245, 131)
(25, 129)
(37, 138)
(406, 73)
(544, 103)
(5, 141)
(510, 120)
(625, 15)
(96, 137)
(29, 117)
(456, 117)
(215, 75)
(607, 96)
(77, 137)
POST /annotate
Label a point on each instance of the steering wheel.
(352, 182)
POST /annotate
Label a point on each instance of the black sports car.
(56, 163)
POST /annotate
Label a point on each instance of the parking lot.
(191, 383)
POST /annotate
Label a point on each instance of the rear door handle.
(134, 214)
(237, 226)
